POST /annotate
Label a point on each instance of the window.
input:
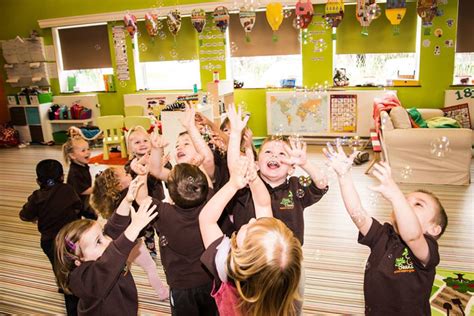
(168, 62)
(84, 57)
(464, 60)
(262, 62)
(381, 56)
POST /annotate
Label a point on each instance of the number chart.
(343, 113)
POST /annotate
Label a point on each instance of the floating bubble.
(161, 58)
(174, 53)
(163, 241)
(406, 172)
(161, 35)
(390, 256)
(440, 147)
(139, 34)
(317, 255)
(355, 143)
(300, 193)
(326, 86)
(373, 199)
(320, 45)
(305, 181)
(243, 106)
(296, 23)
(97, 47)
(287, 12)
(143, 47)
(233, 47)
(123, 83)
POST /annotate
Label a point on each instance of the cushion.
(416, 116)
(386, 121)
(442, 122)
(400, 118)
(460, 113)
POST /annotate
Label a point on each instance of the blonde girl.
(110, 188)
(76, 154)
(93, 267)
(257, 270)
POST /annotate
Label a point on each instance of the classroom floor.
(334, 261)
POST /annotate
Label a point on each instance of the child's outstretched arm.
(141, 168)
(408, 224)
(140, 219)
(260, 196)
(298, 157)
(124, 206)
(211, 212)
(156, 166)
(203, 120)
(237, 124)
(341, 164)
(202, 148)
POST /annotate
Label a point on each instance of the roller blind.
(85, 47)
(261, 43)
(349, 40)
(158, 49)
(465, 36)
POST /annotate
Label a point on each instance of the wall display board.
(461, 96)
(120, 48)
(343, 113)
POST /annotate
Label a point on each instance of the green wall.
(19, 17)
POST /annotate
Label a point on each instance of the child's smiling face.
(139, 143)
(270, 162)
(81, 152)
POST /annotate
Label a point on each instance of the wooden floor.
(334, 261)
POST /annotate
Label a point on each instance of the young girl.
(258, 270)
(110, 188)
(76, 152)
(94, 268)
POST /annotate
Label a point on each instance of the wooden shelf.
(70, 121)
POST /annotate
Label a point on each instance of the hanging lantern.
(274, 16)
(130, 22)
(221, 18)
(151, 24)
(334, 12)
(198, 19)
(427, 10)
(305, 12)
(174, 22)
(366, 11)
(395, 11)
(247, 18)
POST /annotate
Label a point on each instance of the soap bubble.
(317, 255)
(163, 241)
(305, 181)
(300, 193)
(123, 83)
(243, 106)
(287, 12)
(406, 172)
(233, 47)
(97, 47)
(162, 35)
(320, 45)
(390, 256)
(439, 147)
(174, 53)
(143, 47)
(373, 199)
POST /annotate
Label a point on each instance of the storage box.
(12, 99)
(23, 99)
(60, 137)
(41, 98)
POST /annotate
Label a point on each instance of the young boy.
(53, 206)
(400, 270)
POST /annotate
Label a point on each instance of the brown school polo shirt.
(181, 245)
(287, 206)
(395, 281)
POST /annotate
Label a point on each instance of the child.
(76, 152)
(110, 188)
(180, 241)
(276, 160)
(400, 270)
(257, 271)
(94, 268)
(54, 205)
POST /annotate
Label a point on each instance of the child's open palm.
(157, 141)
(337, 159)
(237, 124)
(189, 117)
(144, 215)
(297, 153)
(140, 166)
(133, 189)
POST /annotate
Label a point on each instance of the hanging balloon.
(305, 11)
(151, 24)
(221, 18)
(130, 24)
(427, 10)
(174, 21)
(198, 19)
(247, 18)
(334, 12)
(395, 11)
(274, 17)
(363, 14)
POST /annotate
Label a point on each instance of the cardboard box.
(12, 99)
(23, 100)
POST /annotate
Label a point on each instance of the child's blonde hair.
(105, 192)
(266, 269)
(131, 131)
(68, 251)
(68, 147)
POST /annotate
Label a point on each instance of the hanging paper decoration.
(366, 11)
(221, 18)
(334, 12)
(151, 24)
(247, 18)
(130, 24)
(198, 19)
(274, 17)
(174, 22)
(305, 12)
(395, 11)
(427, 10)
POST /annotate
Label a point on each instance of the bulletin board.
(459, 97)
(343, 109)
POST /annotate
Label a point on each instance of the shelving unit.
(32, 122)
(221, 92)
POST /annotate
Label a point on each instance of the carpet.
(453, 291)
(115, 158)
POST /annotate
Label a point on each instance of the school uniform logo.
(404, 264)
(287, 203)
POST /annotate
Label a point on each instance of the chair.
(112, 127)
(134, 110)
(132, 121)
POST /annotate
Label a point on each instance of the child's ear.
(77, 262)
(434, 230)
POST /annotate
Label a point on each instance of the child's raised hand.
(237, 124)
(157, 141)
(337, 159)
(189, 117)
(165, 159)
(239, 173)
(144, 215)
(248, 138)
(252, 168)
(133, 189)
(197, 160)
(387, 186)
(140, 166)
(201, 119)
(297, 152)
